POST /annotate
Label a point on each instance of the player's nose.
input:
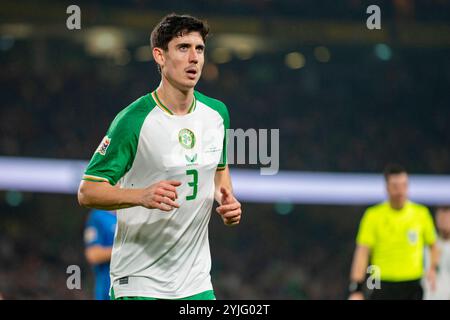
(193, 56)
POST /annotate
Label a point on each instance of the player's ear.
(158, 56)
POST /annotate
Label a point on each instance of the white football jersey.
(156, 253)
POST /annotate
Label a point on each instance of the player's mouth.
(191, 73)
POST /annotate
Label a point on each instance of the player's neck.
(177, 101)
(397, 205)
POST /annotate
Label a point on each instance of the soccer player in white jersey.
(167, 152)
(440, 290)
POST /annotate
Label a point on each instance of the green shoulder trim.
(216, 105)
(114, 158)
(221, 109)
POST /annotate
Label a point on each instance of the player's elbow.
(84, 197)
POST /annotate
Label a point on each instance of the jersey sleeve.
(113, 157)
(366, 232)
(92, 231)
(222, 110)
(429, 231)
(226, 125)
(115, 154)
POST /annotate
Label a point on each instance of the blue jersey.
(99, 230)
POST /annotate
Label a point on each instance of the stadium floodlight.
(63, 176)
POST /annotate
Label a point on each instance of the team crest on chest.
(186, 138)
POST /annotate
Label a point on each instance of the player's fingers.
(164, 207)
(231, 206)
(166, 193)
(174, 183)
(170, 202)
(232, 222)
(170, 188)
(221, 210)
(167, 201)
(228, 207)
(232, 214)
(235, 221)
(155, 204)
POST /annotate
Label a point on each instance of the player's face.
(397, 188)
(183, 61)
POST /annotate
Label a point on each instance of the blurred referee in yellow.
(392, 236)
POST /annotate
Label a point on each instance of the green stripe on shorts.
(205, 295)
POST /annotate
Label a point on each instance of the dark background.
(373, 97)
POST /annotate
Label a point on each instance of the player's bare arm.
(98, 254)
(102, 195)
(358, 272)
(229, 208)
(431, 272)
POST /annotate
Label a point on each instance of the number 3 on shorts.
(193, 184)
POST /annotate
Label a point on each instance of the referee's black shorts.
(404, 290)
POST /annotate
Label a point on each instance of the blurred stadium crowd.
(353, 113)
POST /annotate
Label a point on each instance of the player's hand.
(161, 195)
(356, 296)
(230, 208)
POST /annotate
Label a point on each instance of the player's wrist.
(356, 286)
(133, 197)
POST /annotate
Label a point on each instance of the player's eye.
(200, 49)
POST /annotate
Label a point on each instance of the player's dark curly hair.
(174, 25)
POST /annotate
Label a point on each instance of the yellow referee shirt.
(397, 239)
